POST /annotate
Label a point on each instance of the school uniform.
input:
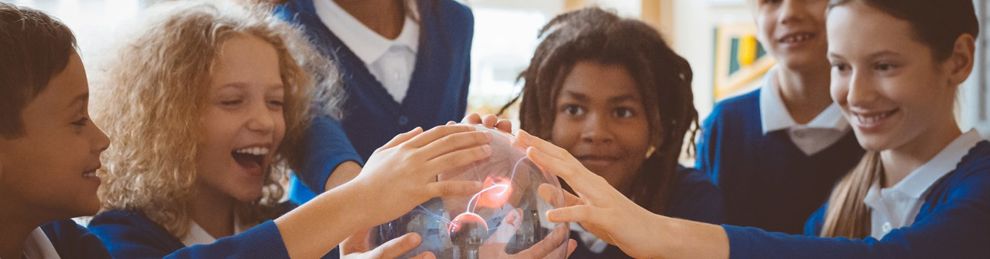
(62, 239)
(772, 171)
(940, 210)
(131, 234)
(694, 197)
(392, 86)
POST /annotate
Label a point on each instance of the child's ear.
(960, 62)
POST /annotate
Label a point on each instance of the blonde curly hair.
(149, 95)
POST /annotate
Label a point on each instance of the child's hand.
(494, 247)
(489, 121)
(600, 208)
(403, 173)
(358, 246)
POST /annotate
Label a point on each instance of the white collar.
(37, 245)
(367, 44)
(774, 115)
(916, 183)
(198, 236)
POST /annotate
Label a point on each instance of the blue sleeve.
(813, 227)
(706, 154)
(129, 236)
(73, 241)
(327, 147)
(262, 241)
(956, 228)
(462, 106)
(697, 199)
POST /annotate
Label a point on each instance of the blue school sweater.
(766, 181)
(954, 222)
(694, 197)
(437, 90)
(73, 241)
(130, 234)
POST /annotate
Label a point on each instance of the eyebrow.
(243, 84)
(883, 53)
(874, 55)
(576, 95)
(624, 98)
(584, 98)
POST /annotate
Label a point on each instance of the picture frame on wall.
(740, 60)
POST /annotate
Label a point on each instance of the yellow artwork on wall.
(740, 60)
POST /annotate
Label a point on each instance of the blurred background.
(715, 36)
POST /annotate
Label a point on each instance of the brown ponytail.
(847, 214)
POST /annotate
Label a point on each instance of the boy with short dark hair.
(49, 149)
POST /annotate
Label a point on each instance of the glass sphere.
(506, 218)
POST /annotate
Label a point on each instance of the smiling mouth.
(874, 118)
(251, 158)
(797, 38)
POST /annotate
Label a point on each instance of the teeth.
(797, 38)
(89, 174)
(872, 119)
(257, 151)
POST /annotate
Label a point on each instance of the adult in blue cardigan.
(777, 151)
(922, 191)
(403, 64)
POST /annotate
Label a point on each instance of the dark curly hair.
(662, 76)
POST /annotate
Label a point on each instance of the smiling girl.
(614, 95)
(923, 191)
(209, 102)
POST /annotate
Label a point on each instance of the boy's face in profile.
(50, 169)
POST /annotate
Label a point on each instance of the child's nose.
(596, 129)
(262, 119)
(860, 91)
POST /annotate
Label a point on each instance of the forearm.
(342, 174)
(312, 230)
(680, 238)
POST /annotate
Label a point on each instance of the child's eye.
(623, 113)
(232, 102)
(276, 103)
(573, 110)
(840, 67)
(884, 67)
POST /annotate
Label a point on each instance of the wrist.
(360, 197)
(662, 227)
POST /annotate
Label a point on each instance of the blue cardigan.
(130, 234)
(767, 182)
(694, 197)
(437, 90)
(73, 241)
(954, 222)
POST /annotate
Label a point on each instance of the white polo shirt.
(37, 246)
(820, 133)
(391, 61)
(198, 236)
(895, 207)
